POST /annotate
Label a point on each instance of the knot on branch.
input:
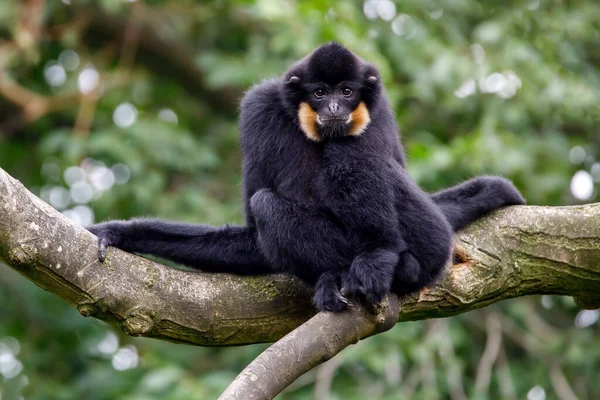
(137, 325)
(387, 313)
(88, 309)
(22, 255)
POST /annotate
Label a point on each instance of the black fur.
(342, 213)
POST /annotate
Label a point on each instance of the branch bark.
(514, 252)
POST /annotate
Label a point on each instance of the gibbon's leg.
(460, 205)
(359, 189)
(427, 233)
(216, 249)
(406, 275)
(471, 200)
(304, 241)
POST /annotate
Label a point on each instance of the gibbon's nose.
(334, 107)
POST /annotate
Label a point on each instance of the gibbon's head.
(331, 92)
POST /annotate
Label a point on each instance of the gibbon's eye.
(347, 91)
(319, 93)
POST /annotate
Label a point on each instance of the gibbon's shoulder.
(263, 95)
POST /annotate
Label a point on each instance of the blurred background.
(114, 109)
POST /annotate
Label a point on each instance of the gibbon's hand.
(109, 234)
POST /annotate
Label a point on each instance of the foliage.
(508, 88)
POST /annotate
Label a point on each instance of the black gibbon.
(325, 191)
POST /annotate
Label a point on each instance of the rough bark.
(514, 252)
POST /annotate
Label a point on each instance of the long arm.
(223, 249)
(235, 249)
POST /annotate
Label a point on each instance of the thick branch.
(519, 251)
(315, 341)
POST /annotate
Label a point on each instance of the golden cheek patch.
(308, 122)
(360, 118)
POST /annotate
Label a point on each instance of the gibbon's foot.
(370, 276)
(408, 269)
(327, 296)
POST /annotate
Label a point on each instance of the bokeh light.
(88, 80)
(69, 60)
(582, 185)
(168, 115)
(10, 365)
(125, 358)
(55, 74)
(586, 318)
(125, 115)
(536, 393)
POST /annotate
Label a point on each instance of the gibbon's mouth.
(334, 119)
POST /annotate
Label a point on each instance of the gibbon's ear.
(292, 91)
(370, 75)
(292, 80)
(372, 86)
(291, 85)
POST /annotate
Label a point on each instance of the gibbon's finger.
(103, 244)
(344, 300)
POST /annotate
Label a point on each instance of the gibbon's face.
(333, 110)
(330, 91)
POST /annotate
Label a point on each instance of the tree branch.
(515, 252)
(312, 343)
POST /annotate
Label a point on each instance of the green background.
(491, 87)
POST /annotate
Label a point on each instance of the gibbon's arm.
(217, 249)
